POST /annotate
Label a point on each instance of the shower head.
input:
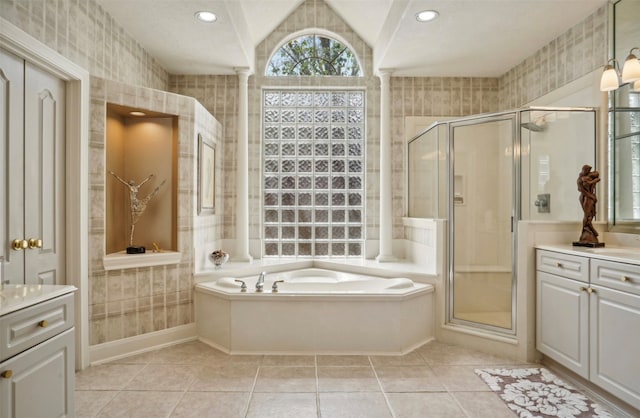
(534, 127)
(539, 124)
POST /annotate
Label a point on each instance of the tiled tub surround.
(135, 301)
(315, 310)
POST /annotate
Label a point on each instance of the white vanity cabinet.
(615, 328)
(562, 317)
(37, 359)
(590, 321)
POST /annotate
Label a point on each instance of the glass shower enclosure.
(484, 174)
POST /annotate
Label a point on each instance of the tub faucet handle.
(274, 288)
(243, 286)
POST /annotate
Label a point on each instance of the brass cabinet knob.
(35, 243)
(625, 279)
(6, 374)
(583, 289)
(559, 265)
(591, 290)
(43, 323)
(19, 244)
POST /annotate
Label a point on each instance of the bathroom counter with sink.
(629, 255)
(37, 356)
(16, 297)
(588, 314)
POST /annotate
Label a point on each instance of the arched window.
(314, 55)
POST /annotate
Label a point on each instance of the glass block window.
(314, 55)
(313, 150)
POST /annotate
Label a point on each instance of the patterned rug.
(536, 392)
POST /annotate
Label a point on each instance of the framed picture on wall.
(206, 176)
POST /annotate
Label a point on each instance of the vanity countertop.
(628, 255)
(18, 296)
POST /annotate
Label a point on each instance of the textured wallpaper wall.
(84, 33)
(134, 301)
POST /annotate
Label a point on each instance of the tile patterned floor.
(195, 380)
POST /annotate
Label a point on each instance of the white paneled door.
(32, 140)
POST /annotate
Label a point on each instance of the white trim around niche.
(18, 42)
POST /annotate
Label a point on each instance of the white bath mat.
(536, 392)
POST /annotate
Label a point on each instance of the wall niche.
(140, 143)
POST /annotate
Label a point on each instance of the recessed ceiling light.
(137, 113)
(426, 15)
(206, 17)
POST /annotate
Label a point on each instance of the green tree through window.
(314, 55)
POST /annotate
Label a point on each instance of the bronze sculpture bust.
(587, 181)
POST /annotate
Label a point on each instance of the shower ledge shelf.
(122, 260)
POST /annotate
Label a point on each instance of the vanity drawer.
(620, 276)
(27, 327)
(565, 265)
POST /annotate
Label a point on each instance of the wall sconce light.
(612, 76)
(631, 68)
(610, 80)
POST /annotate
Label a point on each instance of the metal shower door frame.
(514, 117)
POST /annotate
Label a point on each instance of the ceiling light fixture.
(137, 113)
(207, 17)
(426, 15)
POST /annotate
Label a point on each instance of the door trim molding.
(77, 80)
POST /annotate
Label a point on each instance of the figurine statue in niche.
(587, 181)
(138, 207)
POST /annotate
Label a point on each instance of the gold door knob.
(43, 323)
(35, 243)
(19, 244)
(6, 374)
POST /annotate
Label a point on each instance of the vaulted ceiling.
(471, 38)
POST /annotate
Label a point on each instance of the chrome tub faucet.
(260, 282)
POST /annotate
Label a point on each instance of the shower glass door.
(482, 202)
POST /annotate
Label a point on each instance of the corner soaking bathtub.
(315, 311)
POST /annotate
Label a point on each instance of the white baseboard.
(213, 345)
(306, 353)
(125, 347)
